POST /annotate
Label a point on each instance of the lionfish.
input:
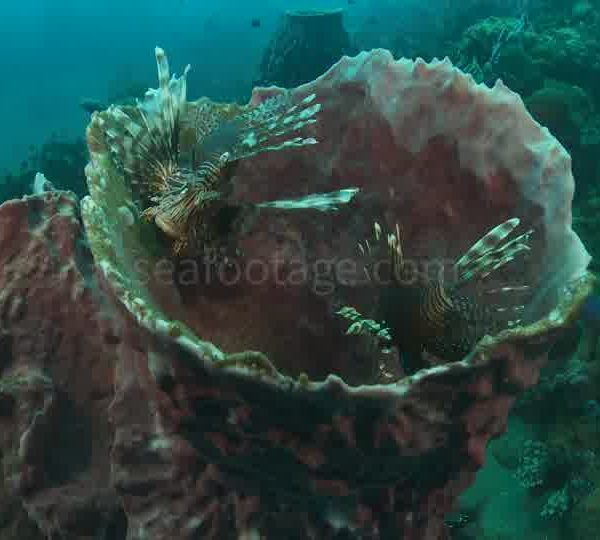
(421, 314)
(180, 157)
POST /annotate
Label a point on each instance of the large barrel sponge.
(294, 439)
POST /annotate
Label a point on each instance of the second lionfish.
(421, 315)
(180, 158)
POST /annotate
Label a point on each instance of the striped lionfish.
(421, 314)
(180, 157)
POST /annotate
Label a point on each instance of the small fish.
(255, 23)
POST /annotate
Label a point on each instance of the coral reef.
(306, 44)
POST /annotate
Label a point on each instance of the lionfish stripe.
(282, 122)
(436, 305)
(487, 243)
(492, 258)
(499, 259)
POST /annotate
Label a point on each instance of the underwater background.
(63, 60)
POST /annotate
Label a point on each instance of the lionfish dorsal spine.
(172, 94)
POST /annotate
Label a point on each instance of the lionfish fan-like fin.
(171, 95)
(264, 126)
(491, 252)
(146, 141)
(323, 202)
(486, 243)
(498, 257)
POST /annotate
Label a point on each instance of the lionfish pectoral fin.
(266, 127)
(491, 252)
(323, 202)
(486, 243)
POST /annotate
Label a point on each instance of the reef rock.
(239, 408)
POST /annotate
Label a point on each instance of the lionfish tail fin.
(491, 252)
(268, 126)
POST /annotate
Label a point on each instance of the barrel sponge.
(229, 393)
